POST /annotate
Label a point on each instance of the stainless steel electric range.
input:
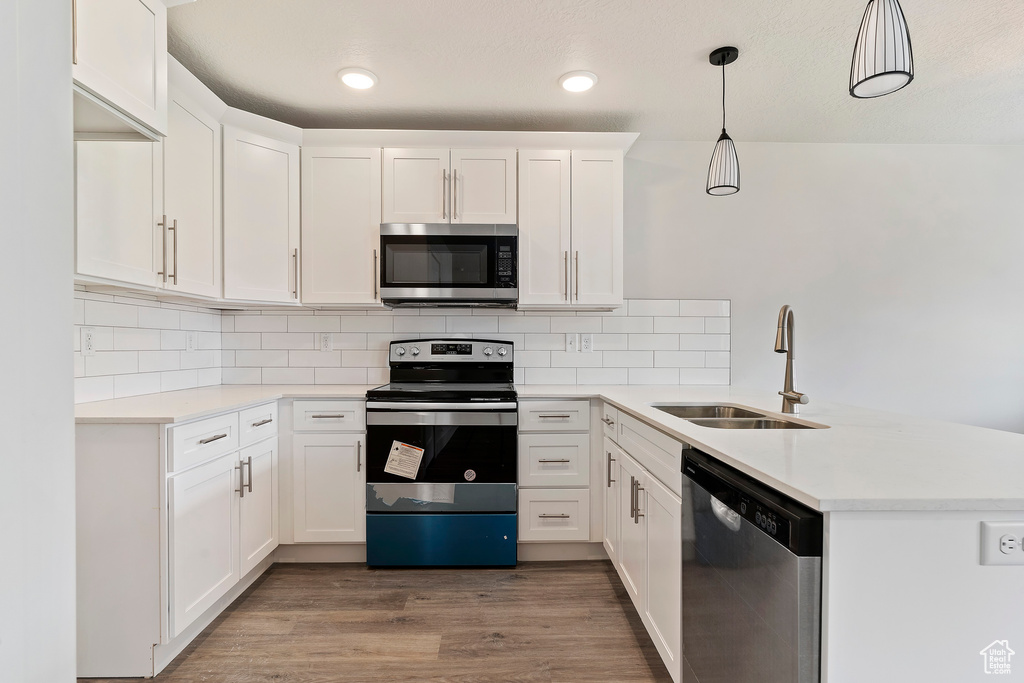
(441, 456)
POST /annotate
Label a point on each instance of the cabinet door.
(632, 539)
(611, 489)
(117, 209)
(597, 228)
(341, 191)
(120, 55)
(261, 218)
(192, 192)
(257, 536)
(203, 537)
(662, 615)
(544, 228)
(558, 460)
(483, 186)
(416, 186)
(329, 492)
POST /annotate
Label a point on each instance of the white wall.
(904, 265)
(37, 465)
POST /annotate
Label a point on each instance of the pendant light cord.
(723, 96)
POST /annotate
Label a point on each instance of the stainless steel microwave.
(436, 264)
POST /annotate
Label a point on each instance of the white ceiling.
(495, 64)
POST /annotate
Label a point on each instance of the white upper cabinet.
(449, 186)
(483, 185)
(341, 208)
(192, 194)
(118, 210)
(597, 228)
(120, 57)
(570, 229)
(261, 218)
(545, 231)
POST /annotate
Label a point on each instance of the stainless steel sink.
(756, 423)
(707, 411)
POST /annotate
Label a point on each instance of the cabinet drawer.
(257, 423)
(610, 421)
(195, 442)
(554, 460)
(329, 416)
(554, 416)
(554, 515)
(658, 453)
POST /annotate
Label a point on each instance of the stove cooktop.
(444, 391)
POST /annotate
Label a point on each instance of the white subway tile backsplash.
(628, 359)
(261, 323)
(79, 365)
(135, 339)
(261, 359)
(79, 312)
(377, 376)
(314, 359)
(654, 375)
(532, 359)
(653, 342)
(380, 341)
(113, 363)
(102, 338)
(628, 325)
(227, 323)
(288, 340)
(524, 324)
(474, 323)
(175, 380)
(366, 323)
(544, 342)
(204, 322)
(159, 318)
(199, 359)
(314, 323)
(364, 359)
(576, 324)
(611, 342)
(703, 342)
(717, 325)
(135, 385)
(679, 325)
(339, 376)
(240, 340)
(172, 340)
(550, 376)
(94, 388)
(210, 377)
(679, 359)
(241, 376)
(718, 376)
(653, 307)
(567, 359)
(349, 340)
(158, 361)
(717, 359)
(111, 314)
(704, 307)
(602, 376)
(420, 323)
(288, 375)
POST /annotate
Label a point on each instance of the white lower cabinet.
(258, 525)
(611, 499)
(554, 514)
(203, 506)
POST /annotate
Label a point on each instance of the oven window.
(449, 452)
(436, 264)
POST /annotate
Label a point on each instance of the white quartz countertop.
(865, 460)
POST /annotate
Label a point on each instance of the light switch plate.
(1002, 542)
(572, 342)
(190, 341)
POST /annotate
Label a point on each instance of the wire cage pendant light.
(882, 58)
(724, 170)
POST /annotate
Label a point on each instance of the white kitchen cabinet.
(611, 492)
(632, 541)
(258, 504)
(202, 514)
(449, 186)
(261, 218)
(118, 206)
(329, 487)
(119, 55)
(557, 460)
(192, 198)
(341, 216)
(545, 228)
(570, 230)
(551, 514)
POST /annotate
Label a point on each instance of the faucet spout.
(791, 398)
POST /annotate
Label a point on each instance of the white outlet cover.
(992, 534)
(190, 342)
(586, 342)
(88, 342)
(326, 341)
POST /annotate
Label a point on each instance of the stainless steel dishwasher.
(751, 586)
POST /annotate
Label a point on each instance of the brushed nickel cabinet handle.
(632, 496)
(546, 516)
(565, 416)
(560, 460)
(327, 416)
(263, 422)
(577, 270)
(610, 461)
(74, 31)
(295, 262)
(241, 481)
(455, 194)
(359, 456)
(373, 273)
(174, 229)
(163, 246)
(565, 262)
(608, 421)
(444, 193)
(639, 488)
(248, 462)
(203, 442)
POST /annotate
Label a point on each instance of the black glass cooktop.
(444, 391)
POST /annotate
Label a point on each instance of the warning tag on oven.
(404, 460)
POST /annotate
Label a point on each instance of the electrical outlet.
(88, 342)
(1001, 543)
(572, 342)
(326, 341)
(586, 342)
(190, 341)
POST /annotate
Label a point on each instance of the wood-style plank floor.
(319, 623)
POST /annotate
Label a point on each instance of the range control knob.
(502, 351)
(399, 350)
(415, 350)
(488, 350)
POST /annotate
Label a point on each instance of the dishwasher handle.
(726, 515)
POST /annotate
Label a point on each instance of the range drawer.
(196, 442)
(610, 421)
(554, 416)
(657, 452)
(257, 423)
(329, 416)
(554, 460)
(554, 514)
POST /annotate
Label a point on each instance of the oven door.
(439, 262)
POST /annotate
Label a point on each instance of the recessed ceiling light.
(360, 79)
(578, 81)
